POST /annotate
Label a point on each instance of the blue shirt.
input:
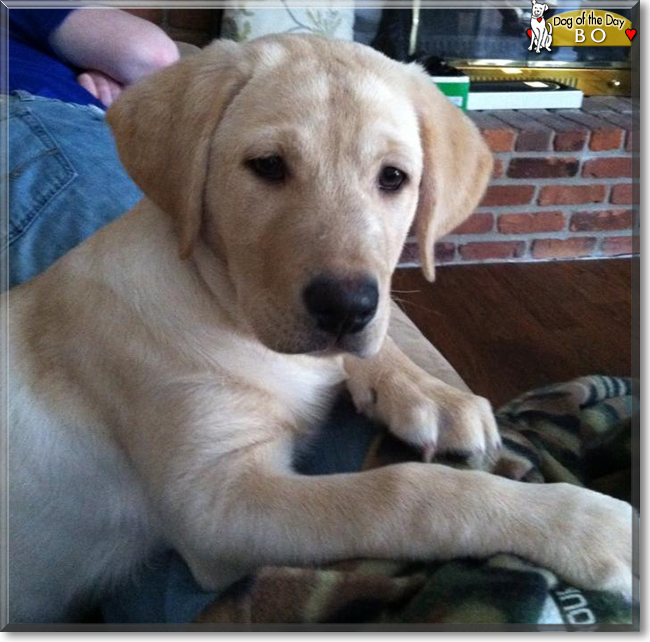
(33, 65)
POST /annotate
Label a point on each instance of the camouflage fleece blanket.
(578, 432)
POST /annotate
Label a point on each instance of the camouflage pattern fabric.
(578, 432)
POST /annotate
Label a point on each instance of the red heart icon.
(529, 32)
(630, 33)
(539, 19)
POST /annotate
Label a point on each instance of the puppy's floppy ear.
(457, 165)
(164, 124)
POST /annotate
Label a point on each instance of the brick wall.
(561, 189)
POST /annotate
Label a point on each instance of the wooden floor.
(507, 328)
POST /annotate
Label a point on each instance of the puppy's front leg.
(249, 509)
(417, 407)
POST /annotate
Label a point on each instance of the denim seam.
(93, 110)
(57, 154)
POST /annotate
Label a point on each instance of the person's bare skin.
(101, 86)
(113, 47)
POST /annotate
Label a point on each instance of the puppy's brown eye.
(270, 168)
(391, 178)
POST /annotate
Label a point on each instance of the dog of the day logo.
(578, 28)
(539, 36)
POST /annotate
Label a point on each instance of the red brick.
(152, 15)
(497, 168)
(492, 250)
(615, 167)
(475, 224)
(527, 223)
(569, 135)
(619, 245)
(508, 195)
(532, 135)
(499, 140)
(626, 121)
(570, 141)
(563, 248)
(601, 220)
(534, 140)
(499, 137)
(622, 194)
(606, 139)
(553, 167)
(604, 134)
(444, 252)
(571, 194)
(193, 19)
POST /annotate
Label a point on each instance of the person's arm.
(121, 46)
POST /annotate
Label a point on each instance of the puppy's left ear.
(457, 166)
(545, 7)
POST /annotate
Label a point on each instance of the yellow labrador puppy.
(161, 371)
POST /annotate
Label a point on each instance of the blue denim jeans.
(64, 179)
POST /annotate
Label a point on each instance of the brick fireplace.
(562, 187)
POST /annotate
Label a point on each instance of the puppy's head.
(302, 162)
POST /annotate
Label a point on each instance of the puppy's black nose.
(342, 306)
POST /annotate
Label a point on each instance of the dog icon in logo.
(539, 35)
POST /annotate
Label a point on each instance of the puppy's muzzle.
(341, 306)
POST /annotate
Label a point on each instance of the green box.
(456, 88)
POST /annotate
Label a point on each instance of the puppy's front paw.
(430, 415)
(589, 538)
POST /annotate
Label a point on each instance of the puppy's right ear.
(457, 165)
(163, 126)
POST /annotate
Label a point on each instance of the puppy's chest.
(302, 387)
